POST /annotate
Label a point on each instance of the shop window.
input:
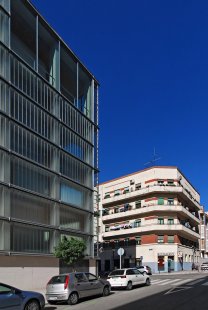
(126, 242)
(160, 239)
(116, 243)
(170, 239)
(106, 244)
(138, 240)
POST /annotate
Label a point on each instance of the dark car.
(13, 298)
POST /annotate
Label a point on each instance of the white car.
(145, 269)
(127, 278)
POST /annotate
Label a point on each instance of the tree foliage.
(70, 250)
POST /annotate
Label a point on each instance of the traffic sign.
(120, 251)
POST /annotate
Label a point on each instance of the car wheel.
(129, 286)
(147, 283)
(73, 299)
(106, 291)
(32, 305)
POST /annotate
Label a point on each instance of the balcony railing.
(137, 224)
(153, 227)
(150, 189)
(150, 209)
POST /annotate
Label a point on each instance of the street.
(174, 291)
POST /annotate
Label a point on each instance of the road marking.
(182, 282)
(159, 281)
(171, 281)
(177, 289)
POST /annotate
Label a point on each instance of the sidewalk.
(172, 273)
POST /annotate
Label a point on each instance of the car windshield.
(117, 272)
(57, 279)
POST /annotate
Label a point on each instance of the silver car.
(71, 287)
(13, 298)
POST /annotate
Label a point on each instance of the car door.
(81, 284)
(8, 299)
(96, 285)
(131, 276)
(139, 276)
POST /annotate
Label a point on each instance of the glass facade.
(48, 136)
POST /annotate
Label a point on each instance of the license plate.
(52, 298)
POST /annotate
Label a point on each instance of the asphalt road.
(168, 292)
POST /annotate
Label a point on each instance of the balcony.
(152, 228)
(148, 210)
(145, 191)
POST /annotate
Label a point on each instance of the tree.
(70, 250)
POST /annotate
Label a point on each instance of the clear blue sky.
(151, 59)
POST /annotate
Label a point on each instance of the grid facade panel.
(46, 139)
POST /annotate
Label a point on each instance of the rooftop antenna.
(152, 162)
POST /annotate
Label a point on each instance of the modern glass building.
(48, 137)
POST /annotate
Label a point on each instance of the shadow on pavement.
(184, 297)
(50, 307)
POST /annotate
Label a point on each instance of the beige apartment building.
(204, 235)
(154, 214)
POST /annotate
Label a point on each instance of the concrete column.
(92, 266)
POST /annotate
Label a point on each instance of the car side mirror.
(16, 292)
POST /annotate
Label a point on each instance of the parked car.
(145, 269)
(204, 266)
(14, 298)
(127, 278)
(72, 286)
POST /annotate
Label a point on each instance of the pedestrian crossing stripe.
(163, 282)
(182, 282)
(173, 282)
